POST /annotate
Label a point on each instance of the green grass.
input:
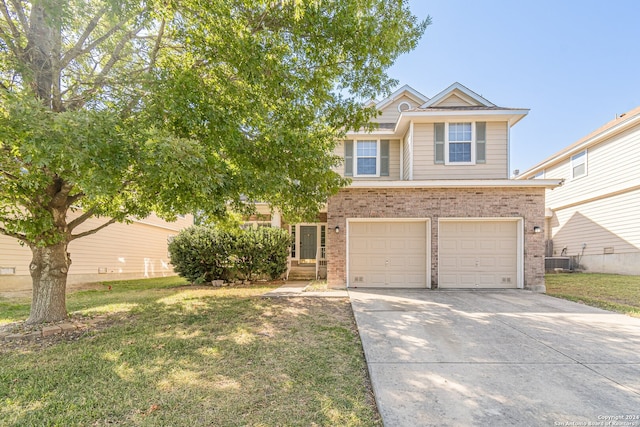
(609, 291)
(181, 356)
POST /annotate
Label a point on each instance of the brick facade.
(434, 203)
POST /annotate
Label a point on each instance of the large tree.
(119, 108)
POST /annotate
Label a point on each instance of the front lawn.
(609, 291)
(168, 354)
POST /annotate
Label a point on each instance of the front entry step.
(307, 272)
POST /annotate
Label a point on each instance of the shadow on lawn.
(197, 357)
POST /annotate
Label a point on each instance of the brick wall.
(527, 203)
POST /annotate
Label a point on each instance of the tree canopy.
(120, 108)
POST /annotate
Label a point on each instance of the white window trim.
(473, 145)
(355, 158)
(318, 235)
(585, 161)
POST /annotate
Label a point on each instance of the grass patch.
(181, 355)
(86, 302)
(317, 286)
(608, 291)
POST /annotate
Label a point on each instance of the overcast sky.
(575, 64)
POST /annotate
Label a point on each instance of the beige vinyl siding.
(13, 255)
(611, 166)
(121, 248)
(610, 222)
(394, 160)
(390, 113)
(453, 101)
(494, 168)
(133, 250)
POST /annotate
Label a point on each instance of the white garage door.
(478, 254)
(388, 254)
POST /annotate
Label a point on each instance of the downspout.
(402, 159)
(411, 150)
(509, 149)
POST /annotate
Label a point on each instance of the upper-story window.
(460, 143)
(579, 164)
(366, 158)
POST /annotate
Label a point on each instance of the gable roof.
(620, 123)
(460, 89)
(404, 90)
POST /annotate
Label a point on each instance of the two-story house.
(431, 203)
(593, 217)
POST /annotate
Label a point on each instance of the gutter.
(462, 183)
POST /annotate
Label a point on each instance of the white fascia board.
(465, 90)
(375, 134)
(406, 88)
(511, 116)
(461, 183)
(566, 153)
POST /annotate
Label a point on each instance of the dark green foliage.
(262, 252)
(205, 253)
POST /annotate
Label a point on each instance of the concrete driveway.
(497, 358)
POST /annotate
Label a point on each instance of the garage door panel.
(507, 245)
(388, 254)
(469, 245)
(486, 262)
(465, 262)
(397, 245)
(358, 244)
(488, 245)
(477, 254)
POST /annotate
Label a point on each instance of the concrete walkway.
(297, 289)
(493, 358)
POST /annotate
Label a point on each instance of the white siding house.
(595, 215)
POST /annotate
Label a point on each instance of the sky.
(574, 64)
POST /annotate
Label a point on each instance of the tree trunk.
(49, 268)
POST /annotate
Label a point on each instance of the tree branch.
(72, 199)
(21, 16)
(78, 50)
(9, 175)
(14, 31)
(94, 231)
(99, 79)
(82, 218)
(93, 23)
(18, 236)
(156, 46)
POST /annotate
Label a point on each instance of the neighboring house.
(120, 251)
(594, 216)
(430, 204)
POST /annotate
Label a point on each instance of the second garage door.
(388, 254)
(478, 254)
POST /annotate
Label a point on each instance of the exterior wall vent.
(7, 271)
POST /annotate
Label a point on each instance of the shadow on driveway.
(497, 358)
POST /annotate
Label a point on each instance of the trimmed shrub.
(262, 252)
(204, 253)
(201, 254)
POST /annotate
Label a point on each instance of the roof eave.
(461, 183)
(569, 151)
